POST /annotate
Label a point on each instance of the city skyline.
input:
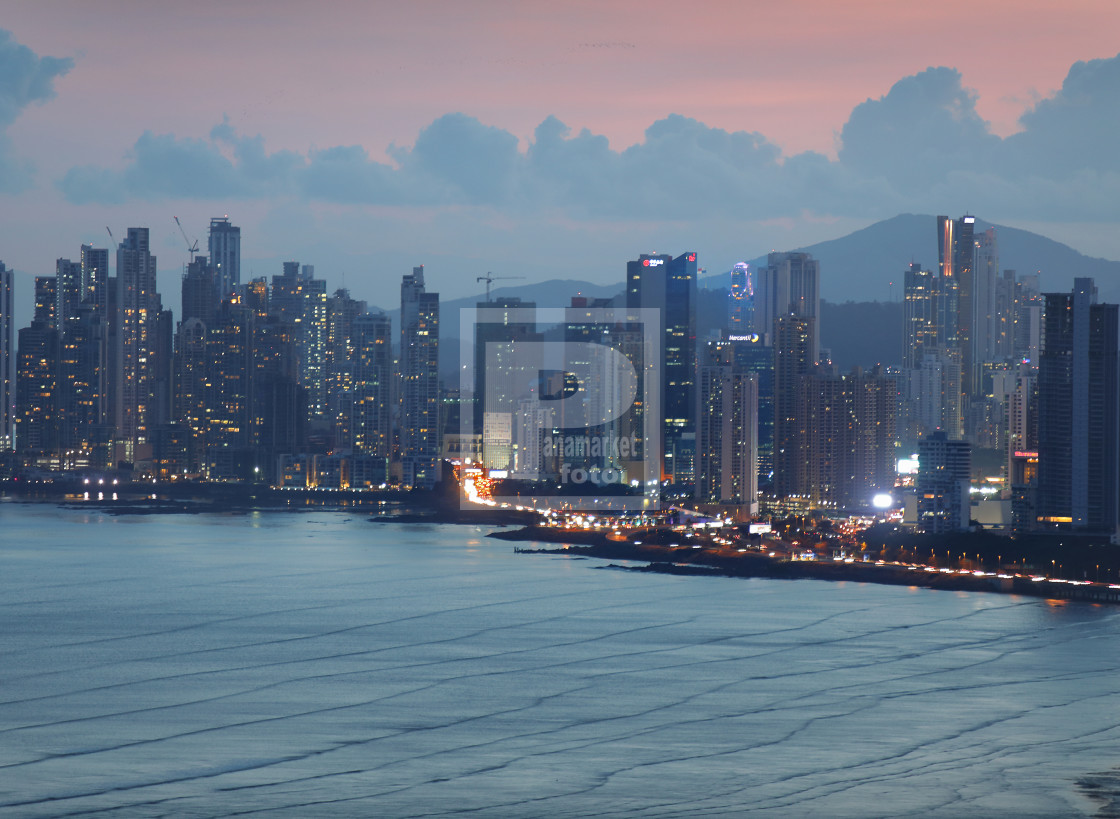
(505, 140)
(413, 409)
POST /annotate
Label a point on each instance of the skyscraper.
(36, 414)
(727, 430)
(84, 431)
(985, 306)
(1078, 414)
(789, 284)
(944, 470)
(795, 339)
(920, 324)
(95, 278)
(7, 357)
(669, 285)
(340, 363)
(740, 304)
(82, 321)
(845, 451)
(138, 307)
(301, 300)
(225, 255)
(419, 370)
(69, 291)
(371, 404)
(956, 288)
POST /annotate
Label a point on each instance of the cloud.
(923, 128)
(163, 165)
(925, 140)
(478, 161)
(1076, 128)
(25, 78)
(920, 146)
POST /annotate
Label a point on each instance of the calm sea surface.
(305, 665)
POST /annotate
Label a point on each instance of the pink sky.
(309, 75)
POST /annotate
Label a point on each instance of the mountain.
(861, 279)
(862, 265)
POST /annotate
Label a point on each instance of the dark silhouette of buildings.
(1078, 412)
(669, 285)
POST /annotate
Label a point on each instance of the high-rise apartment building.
(69, 290)
(82, 320)
(7, 358)
(199, 292)
(740, 303)
(752, 353)
(225, 255)
(95, 278)
(36, 415)
(371, 398)
(846, 431)
(789, 284)
(85, 433)
(277, 401)
(795, 339)
(1078, 413)
(137, 312)
(727, 430)
(663, 283)
(956, 288)
(944, 473)
(301, 300)
(922, 332)
(419, 392)
(1027, 331)
(985, 306)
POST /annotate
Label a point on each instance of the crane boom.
(192, 248)
(491, 278)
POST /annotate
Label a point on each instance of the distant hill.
(860, 266)
(857, 271)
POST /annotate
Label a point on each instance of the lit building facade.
(420, 435)
(668, 284)
(7, 358)
(943, 482)
(727, 430)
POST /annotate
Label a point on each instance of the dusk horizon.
(465, 151)
(518, 408)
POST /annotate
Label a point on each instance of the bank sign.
(567, 404)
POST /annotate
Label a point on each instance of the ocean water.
(319, 664)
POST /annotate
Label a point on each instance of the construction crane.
(192, 248)
(112, 241)
(491, 278)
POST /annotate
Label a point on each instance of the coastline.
(724, 563)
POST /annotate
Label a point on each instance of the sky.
(545, 139)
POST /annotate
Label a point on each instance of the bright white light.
(882, 501)
(908, 466)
